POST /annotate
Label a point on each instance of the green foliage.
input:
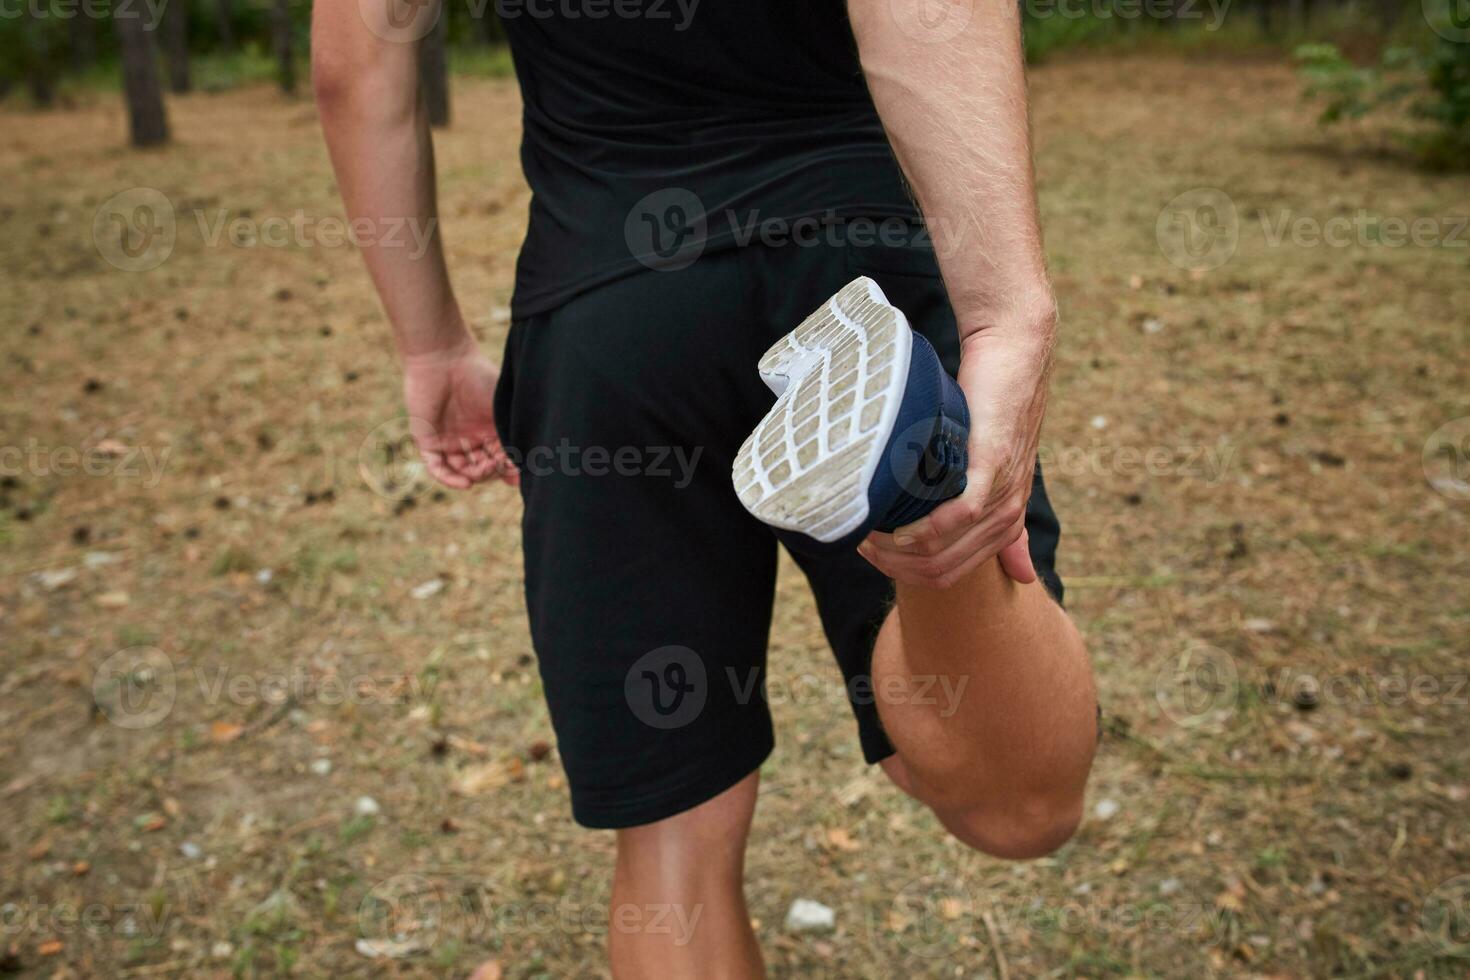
(1432, 86)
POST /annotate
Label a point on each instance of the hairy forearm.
(377, 134)
(955, 112)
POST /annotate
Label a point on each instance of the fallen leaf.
(488, 970)
(50, 947)
(841, 839)
(225, 731)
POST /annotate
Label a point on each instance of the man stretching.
(723, 264)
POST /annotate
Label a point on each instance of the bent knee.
(1018, 832)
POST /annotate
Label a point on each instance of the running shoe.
(868, 431)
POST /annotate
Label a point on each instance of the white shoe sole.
(840, 377)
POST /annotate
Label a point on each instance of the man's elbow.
(333, 80)
(1022, 830)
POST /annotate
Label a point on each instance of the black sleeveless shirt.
(659, 130)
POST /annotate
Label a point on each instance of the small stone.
(191, 850)
(222, 950)
(366, 806)
(1099, 421)
(53, 580)
(429, 589)
(1169, 886)
(264, 576)
(1153, 325)
(1106, 809)
(321, 767)
(806, 915)
(101, 559)
(112, 600)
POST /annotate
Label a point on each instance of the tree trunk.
(1296, 15)
(83, 42)
(487, 25)
(1263, 16)
(281, 41)
(147, 121)
(176, 44)
(434, 69)
(224, 13)
(38, 54)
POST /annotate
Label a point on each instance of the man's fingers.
(440, 470)
(950, 517)
(1015, 559)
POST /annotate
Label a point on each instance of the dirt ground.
(270, 708)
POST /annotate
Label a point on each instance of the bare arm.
(951, 92)
(377, 131)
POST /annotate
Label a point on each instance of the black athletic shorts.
(649, 587)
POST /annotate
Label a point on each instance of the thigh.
(649, 587)
(854, 598)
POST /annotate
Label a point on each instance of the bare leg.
(1001, 746)
(678, 900)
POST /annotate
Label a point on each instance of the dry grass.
(1287, 527)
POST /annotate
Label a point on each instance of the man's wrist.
(1030, 316)
(440, 339)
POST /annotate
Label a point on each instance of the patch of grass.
(232, 559)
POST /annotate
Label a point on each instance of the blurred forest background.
(268, 700)
(1358, 53)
